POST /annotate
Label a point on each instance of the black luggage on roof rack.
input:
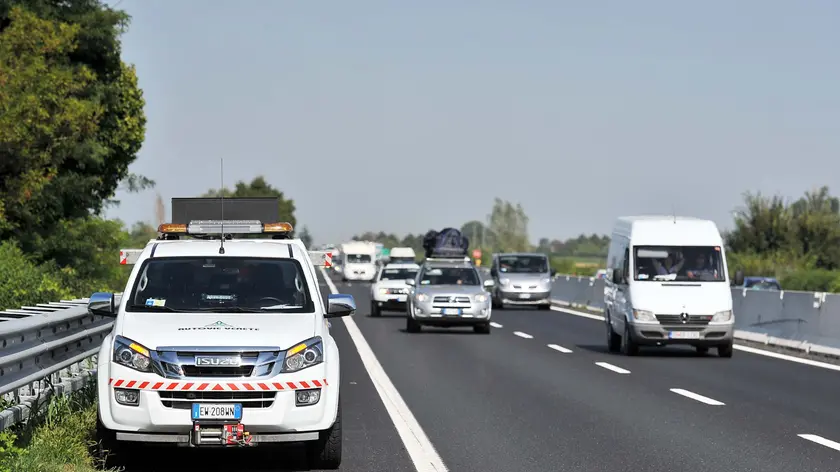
(449, 242)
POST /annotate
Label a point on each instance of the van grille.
(677, 320)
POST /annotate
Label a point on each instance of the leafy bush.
(23, 282)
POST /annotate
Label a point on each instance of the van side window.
(626, 265)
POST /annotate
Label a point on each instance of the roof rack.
(226, 228)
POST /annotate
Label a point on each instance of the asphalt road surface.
(541, 394)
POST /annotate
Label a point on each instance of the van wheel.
(613, 340)
(374, 310)
(544, 307)
(725, 350)
(325, 452)
(628, 346)
(411, 325)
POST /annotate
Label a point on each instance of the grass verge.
(59, 438)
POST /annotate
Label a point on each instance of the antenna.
(222, 191)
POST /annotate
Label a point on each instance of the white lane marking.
(523, 335)
(419, 447)
(821, 441)
(738, 347)
(495, 325)
(617, 370)
(559, 348)
(698, 397)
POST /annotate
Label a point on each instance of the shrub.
(23, 282)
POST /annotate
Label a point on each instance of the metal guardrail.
(807, 322)
(46, 349)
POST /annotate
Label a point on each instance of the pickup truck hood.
(155, 330)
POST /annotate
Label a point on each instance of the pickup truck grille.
(195, 371)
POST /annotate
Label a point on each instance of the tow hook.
(224, 435)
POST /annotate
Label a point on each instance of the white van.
(358, 261)
(402, 255)
(667, 283)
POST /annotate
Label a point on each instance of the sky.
(406, 116)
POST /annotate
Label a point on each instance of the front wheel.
(725, 350)
(483, 328)
(411, 325)
(628, 345)
(325, 452)
(375, 311)
(111, 453)
(544, 307)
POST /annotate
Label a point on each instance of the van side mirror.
(102, 304)
(617, 276)
(553, 273)
(739, 277)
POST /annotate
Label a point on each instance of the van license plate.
(684, 335)
(451, 311)
(216, 411)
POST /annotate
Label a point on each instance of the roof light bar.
(225, 226)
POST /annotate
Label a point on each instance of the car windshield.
(357, 258)
(449, 276)
(397, 274)
(523, 264)
(679, 263)
(220, 284)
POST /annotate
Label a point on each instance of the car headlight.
(305, 354)
(504, 281)
(383, 291)
(132, 355)
(481, 298)
(643, 315)
(725, 315)
(546, 280)
(421, 297)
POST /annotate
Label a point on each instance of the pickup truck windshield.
(523, 264)
(220, 284)
(449, 276)
(679, 264)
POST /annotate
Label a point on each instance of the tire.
(483, 328)
(113, 454)
(725, 350)
(628, 346)
(325, 452)
(411, 325)
(613, 340)
(374, 310)
(544, 307)
(701, 349)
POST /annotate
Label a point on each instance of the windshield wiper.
(229, 309)
(667, 277)
(281, 307)
(154, 308)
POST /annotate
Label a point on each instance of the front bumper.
(390, 301)
(164, 411)
(655, 334)
(525, 297)
(451, 314)
(365, 276)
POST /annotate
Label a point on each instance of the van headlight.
(546, 280)
(644, 316)
(504, 281)
(722, 316)
(305, 354)
(132, 355)
(481, 298)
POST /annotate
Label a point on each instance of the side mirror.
(103, 304)
(339, 305)
(410, 282)
(489, 283)
(553, 273)
(617, 276)
(739, 277)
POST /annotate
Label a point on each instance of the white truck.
(221, 342)
(358, 261)
(402, 255)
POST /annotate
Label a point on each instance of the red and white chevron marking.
(217, 386)
(328, 259)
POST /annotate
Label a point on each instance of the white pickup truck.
(221, 342)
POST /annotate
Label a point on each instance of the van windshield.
(523, 264)
(357, 258)
(678, 263)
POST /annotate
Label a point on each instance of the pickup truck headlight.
(481, 298)
(132, 355)
(305, 354)
(643, 315)
(720, 316)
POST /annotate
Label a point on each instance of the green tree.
(305, 237)
(71, 119)
(258, 187)
(509, 224)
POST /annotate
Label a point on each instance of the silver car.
(448, 293)
(522, 279)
